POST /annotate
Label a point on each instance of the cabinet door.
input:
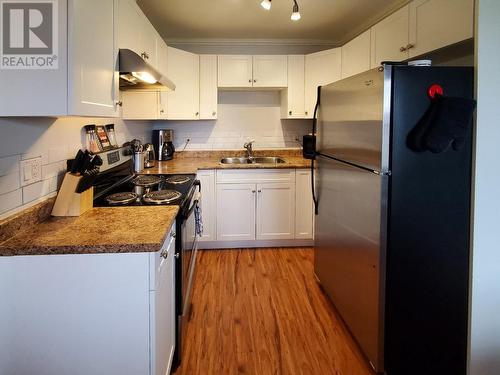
(270, 71)
(92, 57)
(322, 68)
(162, 321)
(275, 211)
(208, 87)
(304, 206)
(137, 105)
(236, 212)
(234, 70)
(356, 55)
(162, 62)
(129, 32)
(437, 23)
(149, 38)
(292, 99)
(389, 38)
(209, 213)
(184, 71)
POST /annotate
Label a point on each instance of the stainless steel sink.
(255, 160)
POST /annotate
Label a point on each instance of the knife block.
(69, 203)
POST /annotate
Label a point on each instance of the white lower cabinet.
(236, 212)
(207, 179)
(304, 206)
(94, 313)
(275, 211)
(261, 205)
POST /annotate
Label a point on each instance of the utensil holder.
(70, 203)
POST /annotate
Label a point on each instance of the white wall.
(241, 115)
(485, 303)
(55, 140)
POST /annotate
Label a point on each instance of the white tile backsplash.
(55, 141)
(9, 164)
(9, 182)
(12, 200)
(241, 115)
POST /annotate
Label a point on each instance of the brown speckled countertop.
(100, 230)
(192, 161)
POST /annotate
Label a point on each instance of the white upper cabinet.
(129, 33)
(85, 82)
(140, 105)
(437, 23)
(92, 56)
(240, 71)
(356, 55)
(208, 87)
(149, 42)
(389, 38)
(235, 71)
(270, 71)
(293, 98)
(184, 71)
(321, 68)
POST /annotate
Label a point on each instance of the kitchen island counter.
(99, 230)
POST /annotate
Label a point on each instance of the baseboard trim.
(253, 244)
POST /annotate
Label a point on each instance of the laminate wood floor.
(261, 311)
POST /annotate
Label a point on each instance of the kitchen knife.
(77, 163)
(85, 162)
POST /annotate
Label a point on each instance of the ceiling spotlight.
(266, 4)
(295, 12)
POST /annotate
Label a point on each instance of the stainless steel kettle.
(149, 157)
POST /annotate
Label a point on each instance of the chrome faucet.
(248, 147)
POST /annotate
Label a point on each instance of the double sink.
(253, 160)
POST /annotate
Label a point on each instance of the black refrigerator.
(392, 228)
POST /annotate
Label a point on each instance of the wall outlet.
(31, 171)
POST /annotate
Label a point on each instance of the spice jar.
(91, 139)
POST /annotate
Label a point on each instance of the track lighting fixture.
(266, 4)
(295, 12)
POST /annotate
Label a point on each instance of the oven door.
(188, 253)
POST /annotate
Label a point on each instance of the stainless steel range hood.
(137, 74)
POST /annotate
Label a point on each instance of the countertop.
(100, 230)
(192, 161)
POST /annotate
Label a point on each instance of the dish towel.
(198, 217)
(447, 122)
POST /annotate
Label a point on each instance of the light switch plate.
(31, 171)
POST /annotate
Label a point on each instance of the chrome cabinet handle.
(253, 191)
(290, 113)
(173, 234)
(177, 255)
(161, 111)
(255, 80)
(307, 112)
(403, 49)
(249, 81)
(197, 113)
(164, 254)
(259, 191)
(214, 113)
(119, 104)
(410, 46)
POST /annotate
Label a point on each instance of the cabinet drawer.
(255, 175)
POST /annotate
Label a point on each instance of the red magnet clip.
(433, 90)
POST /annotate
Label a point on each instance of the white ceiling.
(323, 21)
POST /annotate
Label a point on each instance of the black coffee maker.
(163, 143)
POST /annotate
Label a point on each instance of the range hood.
(137, 74)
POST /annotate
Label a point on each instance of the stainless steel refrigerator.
(392, 227)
